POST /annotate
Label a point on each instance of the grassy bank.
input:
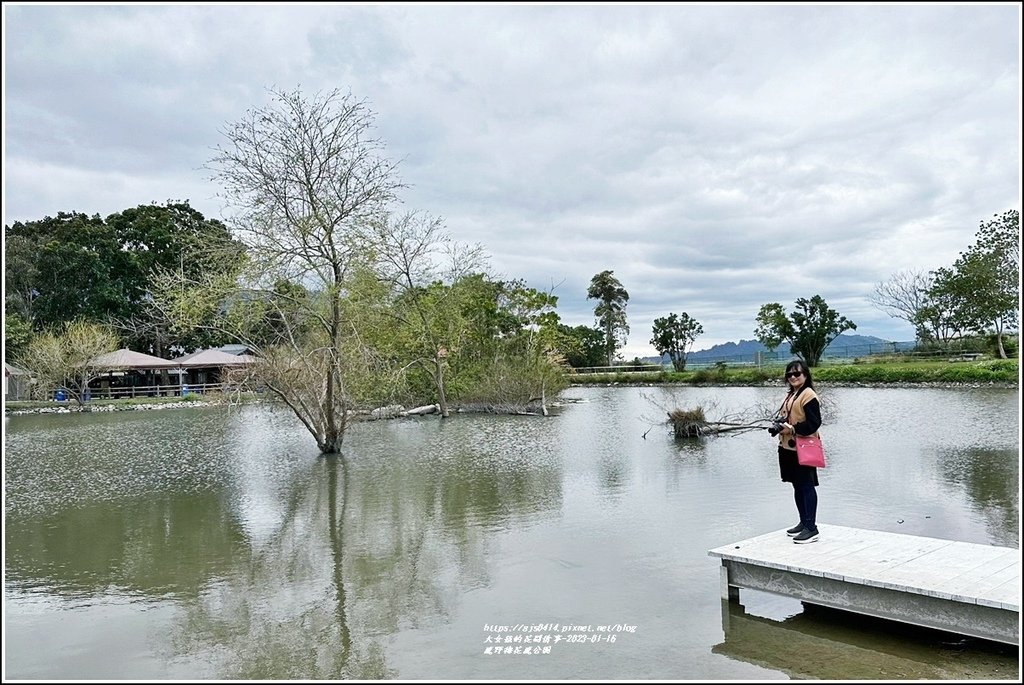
(880, 372)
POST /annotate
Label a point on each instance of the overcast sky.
(716, 158)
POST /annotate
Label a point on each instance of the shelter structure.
(132, 373)
(16, 383)
(237, 349)
(204, 367)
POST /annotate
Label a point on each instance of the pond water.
(210, 543)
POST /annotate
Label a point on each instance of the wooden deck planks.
(959, 587)
(958, 571)
(948, 569)
(1005, 596)
(955, 571)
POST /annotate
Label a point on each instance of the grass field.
(881, 371)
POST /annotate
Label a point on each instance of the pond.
(214, 543)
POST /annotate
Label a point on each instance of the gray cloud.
(715, 157)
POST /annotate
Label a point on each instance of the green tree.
(580, 346)
(980, 292)
(987, 275)
(529, 366)
(409, 248)
(808, 330)
(494, 339)
(952, 304)
(78, 267)
(610, 310)
(20, 274)
(155, 239)
(673, 335)
(458, 327)
(17, 334)
(70, 359)
(69, 267)
(943, 315)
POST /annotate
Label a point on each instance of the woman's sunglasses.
(794, 374)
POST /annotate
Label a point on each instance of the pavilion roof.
(12, 370)
(213, 358)
(130, 359)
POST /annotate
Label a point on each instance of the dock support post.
(730, 593)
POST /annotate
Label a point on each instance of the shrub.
(688, 423)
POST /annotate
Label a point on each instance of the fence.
(779, 356)
(964, 349)
(171, 390)
(621, 368)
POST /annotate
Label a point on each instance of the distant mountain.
(745, 350)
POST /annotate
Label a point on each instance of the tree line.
(346, 299)
(808, 330)
(77, 267)
(978, 293)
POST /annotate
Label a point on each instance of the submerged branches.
(704, 420)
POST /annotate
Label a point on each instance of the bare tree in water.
(304, 178)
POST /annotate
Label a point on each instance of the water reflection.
(826, 644)
(991, 479)
(154, 546)
(294, 571)
(317, 625)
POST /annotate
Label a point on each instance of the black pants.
(806, 503)
(804, 479)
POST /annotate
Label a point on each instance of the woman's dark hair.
(799, 365)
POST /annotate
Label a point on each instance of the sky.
(714, 157)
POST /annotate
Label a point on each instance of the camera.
(776, 427)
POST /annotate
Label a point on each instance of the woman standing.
(801, 415)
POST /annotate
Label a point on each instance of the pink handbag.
(809, 451)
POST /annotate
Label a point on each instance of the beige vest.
(794, 410)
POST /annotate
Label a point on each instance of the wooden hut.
(205, 367)
(134, 374)
(16, 383)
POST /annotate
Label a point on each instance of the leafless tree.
(305, 177)
(904, 296)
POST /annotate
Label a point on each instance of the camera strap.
(791, 401)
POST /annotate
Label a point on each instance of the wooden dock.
(959, 587)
